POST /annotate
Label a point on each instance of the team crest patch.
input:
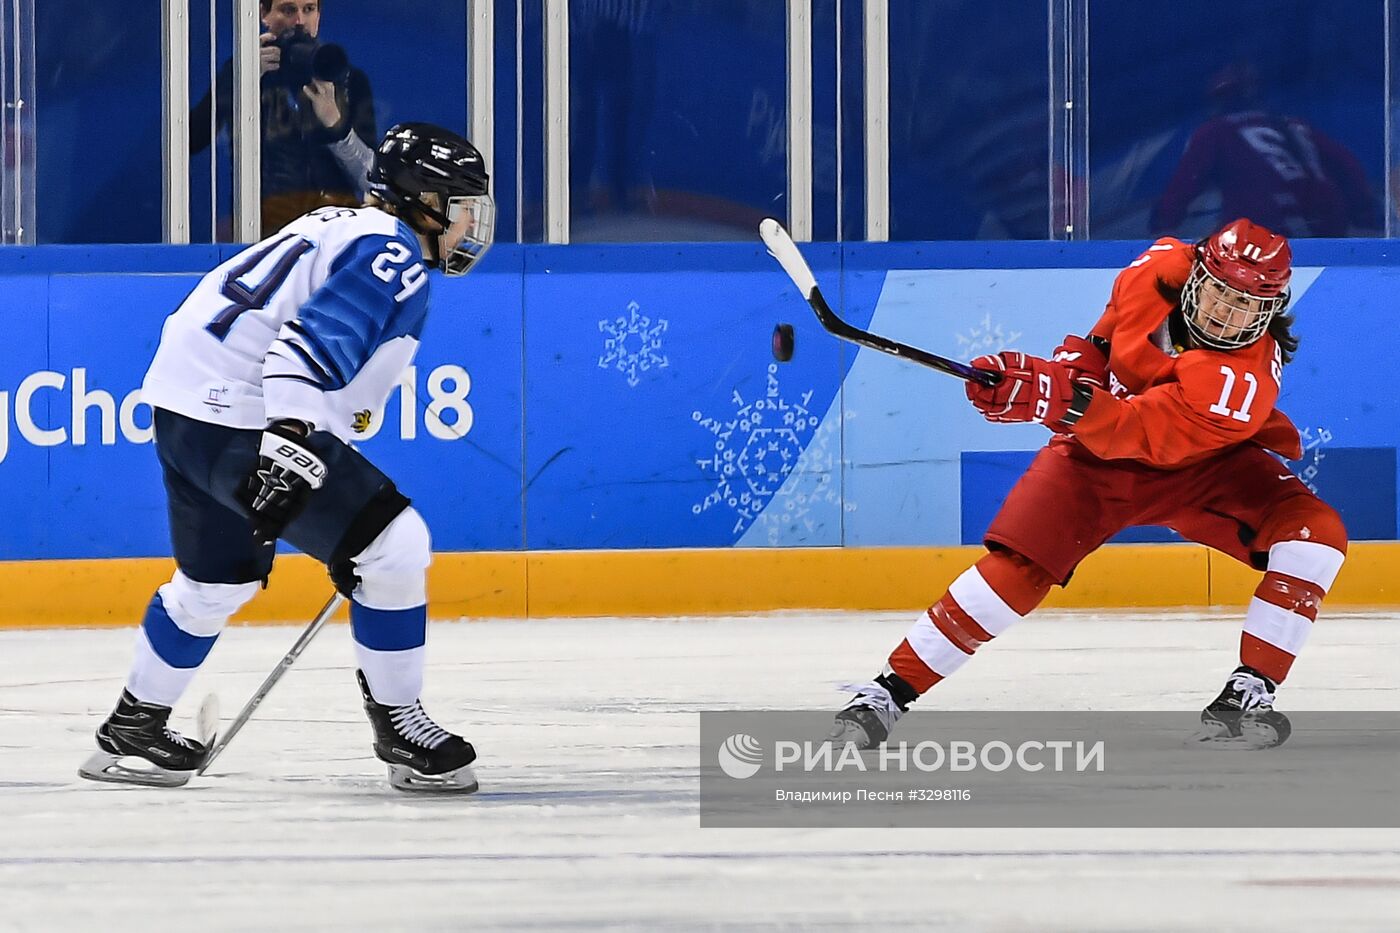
(360, 421)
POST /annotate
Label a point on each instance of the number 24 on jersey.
(384, 268)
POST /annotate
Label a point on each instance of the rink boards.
(682, 582)
(600, 430)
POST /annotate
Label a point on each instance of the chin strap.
(409, 203)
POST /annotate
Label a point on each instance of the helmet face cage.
(470, 229)
(1224, 317)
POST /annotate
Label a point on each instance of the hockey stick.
(783, 249)
(256, 699)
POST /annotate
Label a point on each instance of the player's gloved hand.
(1086, 361)
(286, 475)
(1031, 389)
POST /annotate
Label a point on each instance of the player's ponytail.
(1281, 329)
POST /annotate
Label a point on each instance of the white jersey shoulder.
(316, 322)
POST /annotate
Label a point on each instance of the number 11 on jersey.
(1222, 407)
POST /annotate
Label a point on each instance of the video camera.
(304, 57)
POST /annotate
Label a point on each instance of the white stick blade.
(207, 720)
(780, 244)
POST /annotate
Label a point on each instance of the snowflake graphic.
(985, 337)
(633, 344)
(1312, 455)
(816, 484)
(755, 451)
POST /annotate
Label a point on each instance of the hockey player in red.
(1163, 415)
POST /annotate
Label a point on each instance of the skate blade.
(1235, 743)
(108, 768)
(1248, 741)
(461, 781)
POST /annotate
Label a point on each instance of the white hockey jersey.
(316, 323)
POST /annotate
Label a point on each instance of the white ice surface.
(587, 817)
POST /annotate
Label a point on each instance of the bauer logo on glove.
(296, 459)
(287, 473)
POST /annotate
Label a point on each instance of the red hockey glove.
(1086, 362)
(1031, 389)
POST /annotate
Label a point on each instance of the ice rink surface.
(587, 817)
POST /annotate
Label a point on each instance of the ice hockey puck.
(783, 342)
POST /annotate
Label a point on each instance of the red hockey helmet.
(1237, 284)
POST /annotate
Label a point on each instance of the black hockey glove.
(286, 475)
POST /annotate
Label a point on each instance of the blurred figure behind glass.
(613, 75)
(317, 136)
(1277, 170)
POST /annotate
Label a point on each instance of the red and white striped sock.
(1281, 614)
(984, 601)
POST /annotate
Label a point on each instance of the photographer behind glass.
(317, 116)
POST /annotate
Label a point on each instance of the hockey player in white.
(254, 386)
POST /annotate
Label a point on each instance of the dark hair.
(1281, 329)
(266, 5)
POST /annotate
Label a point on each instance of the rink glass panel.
(968, 122)
(17, 142)
(677, 118)
(412, 51)
(680, 122)
(1151, 84)
(98, 119)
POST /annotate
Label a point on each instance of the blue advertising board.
(608, 397)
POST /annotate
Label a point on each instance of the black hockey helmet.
(417, 159)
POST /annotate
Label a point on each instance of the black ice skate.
(138, 731)
(872, 712)
(422, 756)
(1243, 716)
